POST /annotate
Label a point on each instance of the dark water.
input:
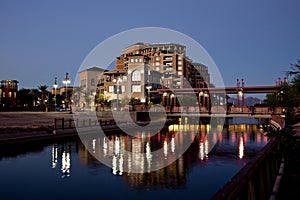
(66, 170)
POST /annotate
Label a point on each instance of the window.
(132, 60)
(136, 75)
(179, 62)
(83, 82)
(123, 88)
(93, 82)
(157, 58)
(140, 60)
(9, 94)
(136, 60)
(157, 63)
(179, 68)
(111, 89)
(157, 68)
(136, 88)
(179, 73)
(3, 94)
(179, 58)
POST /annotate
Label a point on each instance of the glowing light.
(201, 151)
(206, 148)
(121, 161)
(54, 155)
(241, 147)
(148, 156)
(165, 149)
(173, 145)
(114, 165)
(66, 164)
(94, 145)
(104, 147)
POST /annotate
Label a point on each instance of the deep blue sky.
(255, 40)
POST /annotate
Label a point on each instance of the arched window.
(92, 82)
(136, 75)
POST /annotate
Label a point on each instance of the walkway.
(290, 184)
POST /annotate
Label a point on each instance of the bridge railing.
(219, 110)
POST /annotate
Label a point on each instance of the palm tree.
(43, 89)
(35, 95)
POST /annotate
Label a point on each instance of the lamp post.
(118, 80)
(66, 81)
(55, 86)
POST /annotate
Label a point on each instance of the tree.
(25, 98)
(43, 90)
(35, 96)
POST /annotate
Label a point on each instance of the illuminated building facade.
(8, 93)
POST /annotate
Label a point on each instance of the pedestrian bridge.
(262, 112)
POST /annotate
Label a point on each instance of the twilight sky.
(255, 40)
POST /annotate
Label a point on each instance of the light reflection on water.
(68, 169)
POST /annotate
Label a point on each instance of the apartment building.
(143, 67)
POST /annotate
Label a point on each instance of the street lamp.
(118, 80)
(55, 86)
(66, 81)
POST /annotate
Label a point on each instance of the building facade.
(143, 67)
(8, 93)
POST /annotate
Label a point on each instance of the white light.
(241, 147)
(173, 145)
(165, 149)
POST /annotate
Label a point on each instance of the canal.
(66, 169)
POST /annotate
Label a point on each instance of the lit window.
(136, 88)
(136, 76)
(111, 89)
(179, 73)
(157, 63)
(132, 60)
(179, 62)
(9, 94)
(140, 60)
(136, 60)
(179, 58)
(157, 58)
(3, 94)
(157, 68)
(179, 68)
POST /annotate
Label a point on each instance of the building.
(143, 67)
(8, 93)
(89, 79)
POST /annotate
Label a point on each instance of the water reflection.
(65, 150)
(201, 170)
(237, 142)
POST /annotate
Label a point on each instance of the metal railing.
(256, 179)
(62, 123)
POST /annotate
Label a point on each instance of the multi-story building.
(89, 79)
(168, 59)
(8, 93)
(142, 67)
